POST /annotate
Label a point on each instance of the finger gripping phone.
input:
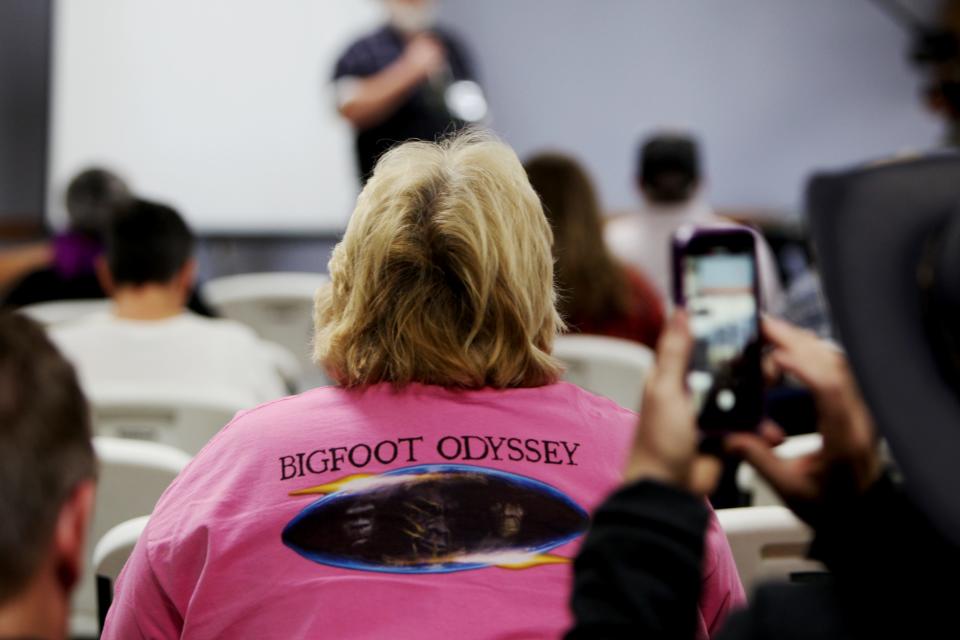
(716, 281)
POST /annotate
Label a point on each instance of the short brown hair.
(445, 274)
(45, 446)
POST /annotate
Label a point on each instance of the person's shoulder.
(638, 281)
(86, 326)
(319, 402)
(362, 42)
(622, 231)
(233, 454)
(592, 404)
(623, 221)
(366, 50)
(273, 420)
(279, 418)
(222, 328)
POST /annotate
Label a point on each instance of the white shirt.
(644, 241)
(221, 358)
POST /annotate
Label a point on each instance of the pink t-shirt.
(421, 513)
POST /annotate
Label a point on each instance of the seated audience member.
(669, 179)
(149, 338)
(64, 268)
(47, 475)
(597, 294)
(886, 558)
(440, 490)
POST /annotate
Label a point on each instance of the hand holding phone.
(716, 280)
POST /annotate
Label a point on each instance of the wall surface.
(24, 57)
(775, 88)
(223, 108)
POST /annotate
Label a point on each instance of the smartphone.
(716, 281)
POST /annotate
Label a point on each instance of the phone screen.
(719, 290)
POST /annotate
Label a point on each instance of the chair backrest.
(110, 555)
(60, 311)
(170, 416)
(278, 306)
(133, 475)
(768, 543)
(609, 367)
(760, 492)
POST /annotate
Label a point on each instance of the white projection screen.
(222, 108)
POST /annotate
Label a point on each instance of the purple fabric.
(74, 254)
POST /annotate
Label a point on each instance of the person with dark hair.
(93, 196)
(669, 169)
(63, 268)
(148, 269)
(147, 244)
(597, 294)
(47, 482)
(670, 179)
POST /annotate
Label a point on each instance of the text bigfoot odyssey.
(406, 450)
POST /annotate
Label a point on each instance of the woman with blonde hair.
(441, 488)
(598, 294)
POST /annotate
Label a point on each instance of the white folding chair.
(609, 367)
(278, 306)
(768, 543)
(180, 418)
(133, 475)
(60, 311)
(750, 482)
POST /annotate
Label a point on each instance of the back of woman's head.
(444, 276)
(591, 283)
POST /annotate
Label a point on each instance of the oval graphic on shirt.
(435, 519)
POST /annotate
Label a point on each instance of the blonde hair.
(444, 276)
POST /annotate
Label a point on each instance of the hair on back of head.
(668, 168)
(445, 274)
(147, 243)
(93, 197)
(45, 446)
(591, 283)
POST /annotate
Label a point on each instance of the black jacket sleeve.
(639, 571)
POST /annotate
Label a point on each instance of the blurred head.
(148, 244)
(412, 16)
(668, 168)
(591, 283)
(93, 196)
(444, 275)
(47, 468)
